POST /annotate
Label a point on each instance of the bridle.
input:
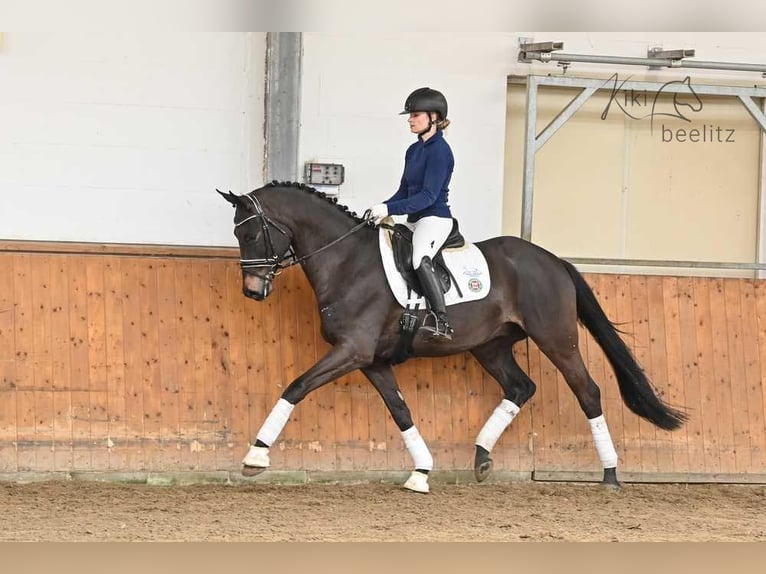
(275, 262)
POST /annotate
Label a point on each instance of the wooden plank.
(115, 361)
(659, 352)
(43, 364)
(462, 435)
(167, 377)
(188, 411)
(305, 317)
(631, 455)
(202, 364)
(425, 415)
(760, 304)
(343, 426)
(737, 382)
(134, 395)
(752, 381)
(8, 383)
(79, 364)
(24, 367)
(378, 413)
(647, 431)
(151, 377)
(690, 355)
(442, 452)
(360, 411)
(708, 383)
(676, 391)
(221, 381)
(722, 374)
(97, 368)
(61, 365)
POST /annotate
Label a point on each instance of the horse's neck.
(313, 229)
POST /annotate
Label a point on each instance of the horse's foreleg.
(382, 378)
(341, 359)
(497, 358)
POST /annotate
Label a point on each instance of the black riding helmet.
(426, 100)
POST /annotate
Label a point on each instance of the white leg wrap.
(496, 424)
(603, 442)
(275, 422)
(419, 452)
(257, 457)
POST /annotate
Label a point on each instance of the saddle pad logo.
(474, 285)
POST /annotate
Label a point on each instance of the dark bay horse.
(533, 294)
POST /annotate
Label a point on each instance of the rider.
(422, 196)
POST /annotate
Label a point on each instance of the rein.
(333, 242)
(274, 262)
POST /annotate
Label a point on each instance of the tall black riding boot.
(432, 291)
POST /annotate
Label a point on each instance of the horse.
(534, 294)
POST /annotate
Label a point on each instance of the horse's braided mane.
(328, 198)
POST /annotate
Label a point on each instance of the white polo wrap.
(419, 452)
(603, 442)
(275, 422)
(501, 417)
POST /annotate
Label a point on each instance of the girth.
(401, 245)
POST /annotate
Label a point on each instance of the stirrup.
(440, 330)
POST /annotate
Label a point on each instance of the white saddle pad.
(467, 264)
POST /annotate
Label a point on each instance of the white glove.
(378, 212)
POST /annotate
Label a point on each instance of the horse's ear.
(230, 197)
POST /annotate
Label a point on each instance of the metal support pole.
(283, 88)
(529, 159)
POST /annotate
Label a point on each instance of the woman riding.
(423, 195)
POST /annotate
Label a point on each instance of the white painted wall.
(124, 137)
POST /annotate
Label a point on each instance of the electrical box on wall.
(327, 175)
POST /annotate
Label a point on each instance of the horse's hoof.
(251, 470)
(482, 464)
(417, 482)
(483, 470)
(610, 481)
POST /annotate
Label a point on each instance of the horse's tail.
(635, 388)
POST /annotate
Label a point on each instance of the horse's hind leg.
(568, 360)
(496, 356)
(382, 378)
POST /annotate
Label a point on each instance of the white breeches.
(429, 234)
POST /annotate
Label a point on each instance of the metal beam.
(754, 110)
(563, 117)
(613, 82)
(283, 87)
(663, 263)
(529, 56)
